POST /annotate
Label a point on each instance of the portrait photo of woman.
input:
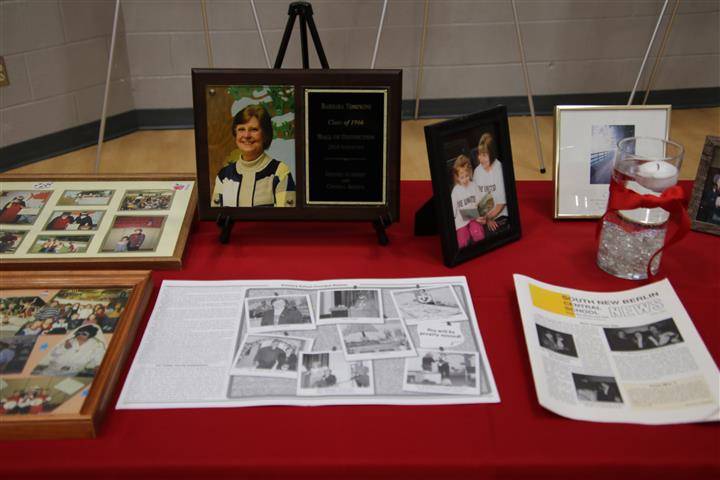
(256, 161)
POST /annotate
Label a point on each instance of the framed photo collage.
(90, 223)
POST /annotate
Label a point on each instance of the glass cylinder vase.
(630, 238)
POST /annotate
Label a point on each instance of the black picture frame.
(446, 141)
(704, 214)
(389, 81)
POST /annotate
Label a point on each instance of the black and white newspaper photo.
(422, 304)
(270, 355)
(279, 313)
(242, 343)
(330, 373)
(350, 306)
(365, 341)
(630, 357)
(437, 371)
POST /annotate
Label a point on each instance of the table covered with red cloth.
(510, 439)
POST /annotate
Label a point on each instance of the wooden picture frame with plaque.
(43, 414)
(77, 221)
(334, 152)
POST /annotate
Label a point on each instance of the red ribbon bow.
(672, 200)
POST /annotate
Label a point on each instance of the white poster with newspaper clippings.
(285, 342)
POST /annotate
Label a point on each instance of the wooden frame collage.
(25, 387)
(56, 225)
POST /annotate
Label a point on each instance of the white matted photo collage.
(91, 219)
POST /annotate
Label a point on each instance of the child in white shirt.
(488, 177)
(465, 196)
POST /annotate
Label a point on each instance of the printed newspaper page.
(280, 342)
(632, 356)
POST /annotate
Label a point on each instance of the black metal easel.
(304, 11)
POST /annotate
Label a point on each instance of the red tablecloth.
(514, 438)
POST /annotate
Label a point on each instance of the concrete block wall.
(56, 56)
(56, 51)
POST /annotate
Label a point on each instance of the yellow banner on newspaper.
(552, 301)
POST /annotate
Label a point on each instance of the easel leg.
(103, 114)
(660, 52)
(286, 39)
(304, 42)
(379, 225)
(226, 224)
(647, 53)
(528, 88)
(316, 41)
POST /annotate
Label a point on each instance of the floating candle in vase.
(630, 239)
(656, 175)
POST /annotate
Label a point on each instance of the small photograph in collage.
(61, 244)
(14, 353)
(10, 240)
(350, 306)
(329, 373)
(22, 207)
(279, 313)
(38, 395)
(134, 234)
(270, 355)
(438, 303)
(363, 341)
(82, 220)
(144, 200)
(85, 198)
(437, 371)
(78, 355)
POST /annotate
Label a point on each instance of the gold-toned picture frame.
(18, 235)
(704, 207)
(584, 144)
(86, 422)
